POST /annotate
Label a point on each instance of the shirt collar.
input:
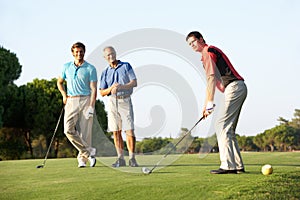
(118, 65)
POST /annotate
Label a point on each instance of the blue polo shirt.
(122, 74)
(79, 78)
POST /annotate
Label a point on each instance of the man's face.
(195, 44)
(110, 55)
(78, 53)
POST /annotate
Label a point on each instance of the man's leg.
(115, 126)
(80, 145)
(229, 150)
(130, 141)
(70, 122)
(86, 125)
(119, 144)
(240, 96)
(126, 113)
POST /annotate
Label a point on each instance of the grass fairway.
(187, 178)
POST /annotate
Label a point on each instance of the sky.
(261, 38)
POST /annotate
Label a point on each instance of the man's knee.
(130, 133)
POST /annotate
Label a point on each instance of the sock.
(131, 155)
(121, 156)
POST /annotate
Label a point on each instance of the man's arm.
(210, 71)
(106, 91)
(128, 86)
(93, 86)
(61, 88)
(113, 89)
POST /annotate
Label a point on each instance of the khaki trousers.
(230, 156)
(77, 128)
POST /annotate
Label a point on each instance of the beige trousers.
(230, 156)
(77, 128)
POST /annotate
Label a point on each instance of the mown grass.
(187, 178)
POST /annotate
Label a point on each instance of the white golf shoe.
(81, 163)
(92, 160)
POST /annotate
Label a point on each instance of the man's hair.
(195, 34)
(78, 45)
(109, 47)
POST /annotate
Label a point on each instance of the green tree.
(14, 119)
(10, 70)
(246, 143)
(11, 137)
(196, 145)
(269, 138)
(295, 122)
(152, 145)
(102, 117)
(259, 141)
(285, 137)
(43, 104)
(186, 141)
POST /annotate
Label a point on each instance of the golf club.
(146, 170)
(42, 165)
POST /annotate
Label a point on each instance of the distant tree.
(210, 144)
(152, 145)
(14, 118)
(195, 145)
(246, 143)
(269, 138)
(259, 141)
(11, 144)
(102, 117)
(43, 104)
(285, 137)
(282, 120)
(295, 122)
(10, 70)
(186, 140)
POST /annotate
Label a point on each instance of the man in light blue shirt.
(79, 100)
(117, 82)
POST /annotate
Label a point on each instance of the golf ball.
(267, 169)
(146, 170)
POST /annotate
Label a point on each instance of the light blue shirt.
(79, 78)
(122, 74)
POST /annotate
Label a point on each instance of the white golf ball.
(267, 169)
(146, 170)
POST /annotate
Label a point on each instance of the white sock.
(121, 156)
(131, 155)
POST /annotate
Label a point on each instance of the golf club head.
(40, 166)
(146, 170)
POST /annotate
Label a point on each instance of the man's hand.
(208, 109)
(114, 88)
(89, 112)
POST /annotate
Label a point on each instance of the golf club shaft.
(176, 144)
(61, 112)
(117, 109)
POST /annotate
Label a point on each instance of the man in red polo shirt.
(221, 74)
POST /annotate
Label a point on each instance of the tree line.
(29, 114)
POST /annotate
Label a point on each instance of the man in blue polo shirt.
(79, 100)
(117, 82)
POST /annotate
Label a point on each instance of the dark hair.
(195, 34)
(78, 45)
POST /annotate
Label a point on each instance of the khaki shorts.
(120, 114)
